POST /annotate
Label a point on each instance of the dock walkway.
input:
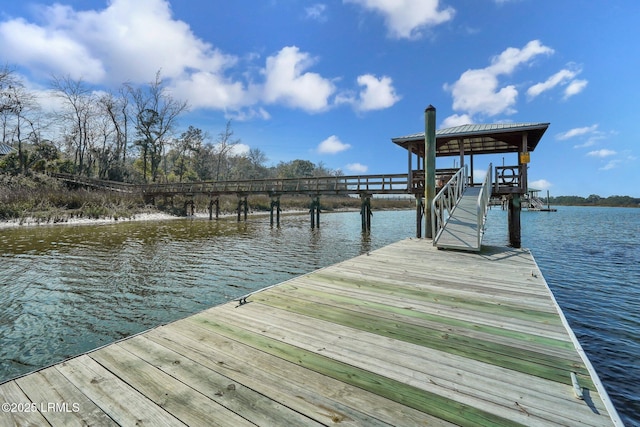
(403, 336)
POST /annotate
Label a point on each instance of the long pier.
(327, 185)
(404, 335)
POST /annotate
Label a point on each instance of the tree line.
(595, 200)
(128, 135)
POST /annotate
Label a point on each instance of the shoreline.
(143, 216)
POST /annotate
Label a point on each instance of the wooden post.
(275, 203)
(213, 202)
(365, 212)
(513, 215)
(314, 210)
(419, 215)
(429, 165)
(410, 169)
(243, 206)
(522, 165)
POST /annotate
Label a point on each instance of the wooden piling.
(365, 212)
(275, 203)
(419, 215)
(430, 166)
(513, 214)
(314, 211)
(213, 202)
(243, 206)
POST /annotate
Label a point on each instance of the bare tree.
(224, 145)
(155, 115)
(18, 111)
(114, 108)
(80, 110)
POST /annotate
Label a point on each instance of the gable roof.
(5, 149)
(478, 138)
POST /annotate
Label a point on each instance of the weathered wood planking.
(405, 335)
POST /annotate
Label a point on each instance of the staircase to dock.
(460, 212)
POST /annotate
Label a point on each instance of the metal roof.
(5, 149)
(478, 139)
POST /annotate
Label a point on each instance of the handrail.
(483, 203)
(355, 184)
(445, 201)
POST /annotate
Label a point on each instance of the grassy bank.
(41, 199)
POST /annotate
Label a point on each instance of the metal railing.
(483, 203)
(508, 179)
(446, 200)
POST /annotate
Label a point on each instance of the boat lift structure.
(455, 205)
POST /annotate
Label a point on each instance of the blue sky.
(333, 81)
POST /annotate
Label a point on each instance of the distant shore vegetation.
(595, 200)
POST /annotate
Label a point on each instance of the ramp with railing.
(459, 213)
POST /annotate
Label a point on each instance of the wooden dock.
(404, 336)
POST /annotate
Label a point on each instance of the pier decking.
(405, 336)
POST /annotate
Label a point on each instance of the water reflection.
(68, 289)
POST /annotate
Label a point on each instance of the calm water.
(65, 290)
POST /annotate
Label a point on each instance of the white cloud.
(561, 77)
(316, 12)
(49, 51)
(602, 153)
(286, 82)
(612, 164)
(375, 94)
(571, 133)
(574, 88)
(407, 18)
(540, 184)
(478, 91)
(564, 77)
(205, 89)
(126, 41)
(357, 168)
(457, 120)
(332, 145)
(130, 41)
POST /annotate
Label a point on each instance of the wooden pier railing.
(356, 184)
(508, 179)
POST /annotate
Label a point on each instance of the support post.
(187, 204)
(213, 202)
(315, 211)
(430, 165)
(410, 169)
(419, 215)
(275, 203)
(243, 206)
(513, 214)
(365, 212)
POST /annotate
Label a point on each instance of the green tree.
(156, 113)
(185, 147)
